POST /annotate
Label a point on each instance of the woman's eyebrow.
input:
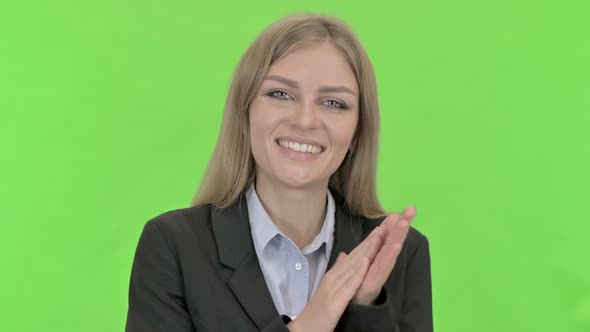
(322, 89)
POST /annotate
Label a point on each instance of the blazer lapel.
(231, 227)
(347, 231)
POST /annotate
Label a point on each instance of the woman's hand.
(396, 229)
(338, 286)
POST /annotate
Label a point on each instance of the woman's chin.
(298, 179)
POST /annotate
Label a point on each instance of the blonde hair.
(231, 168)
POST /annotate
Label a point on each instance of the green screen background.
(109, 111)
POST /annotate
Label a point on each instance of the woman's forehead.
(317, 65)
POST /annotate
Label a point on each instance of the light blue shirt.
(292, 275)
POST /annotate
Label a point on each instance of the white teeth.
(308, 148)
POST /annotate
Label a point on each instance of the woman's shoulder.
(176, 217)
(180, 223)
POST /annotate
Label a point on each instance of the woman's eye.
(279, 94)
(335, 104)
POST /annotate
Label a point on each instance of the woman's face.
(303, 118)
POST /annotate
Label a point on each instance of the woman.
(286, 232)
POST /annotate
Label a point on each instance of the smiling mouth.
(300, 147)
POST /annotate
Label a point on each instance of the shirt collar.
(263, 229)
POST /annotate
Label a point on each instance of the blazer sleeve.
(417, 303)
(156, 294)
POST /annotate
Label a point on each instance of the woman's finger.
(355, 280)
(374, 242)
(370, 246)
(409, 212)
(353, 264)
(349, 282)
(387, 256)
(347, 265)
(391, 219)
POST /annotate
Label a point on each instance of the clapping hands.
(394, 230)
(357, 277)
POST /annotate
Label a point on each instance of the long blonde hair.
(231, 168)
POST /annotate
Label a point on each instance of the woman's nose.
(305, 116)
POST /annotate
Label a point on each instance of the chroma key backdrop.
(109, 111)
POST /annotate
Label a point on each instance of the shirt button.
(298, 266)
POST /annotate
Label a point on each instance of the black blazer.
(195, 269)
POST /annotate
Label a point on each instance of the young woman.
(286, 232)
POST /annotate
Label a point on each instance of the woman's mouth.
(300, 147)
(299, 151)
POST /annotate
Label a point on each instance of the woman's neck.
(298, 213)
